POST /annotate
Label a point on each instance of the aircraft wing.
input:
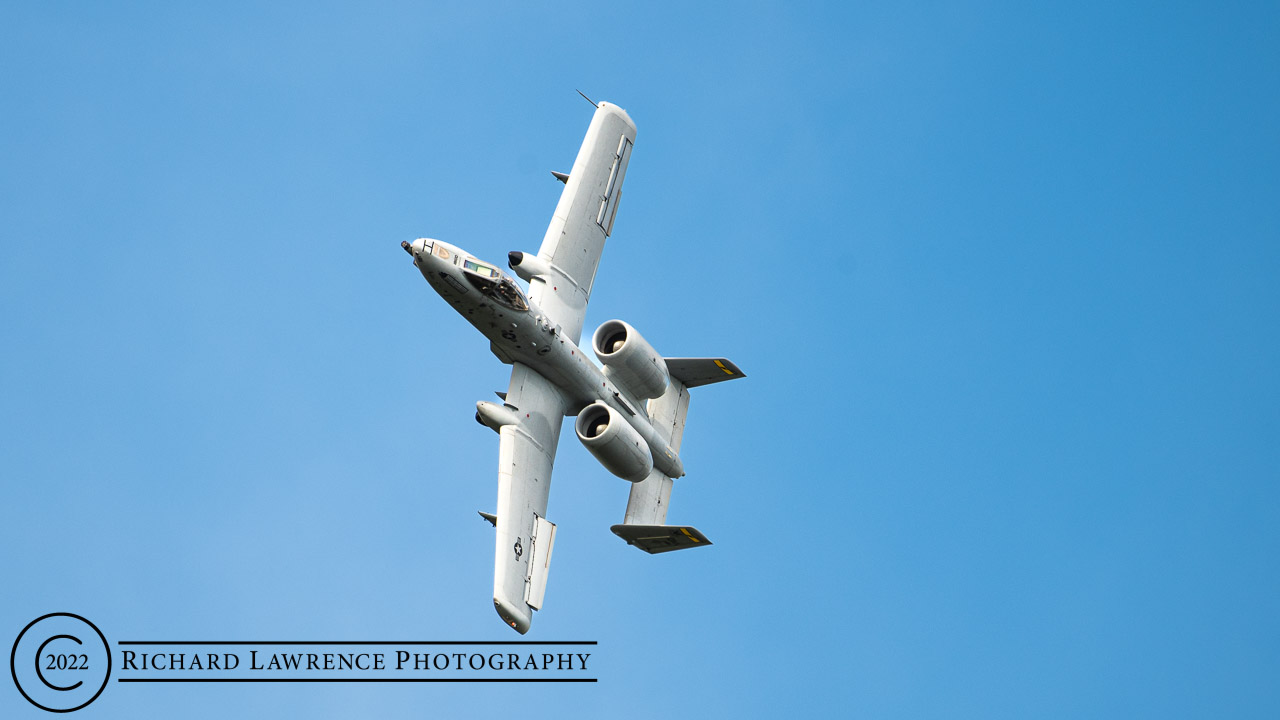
(583, 219)
(527, 451)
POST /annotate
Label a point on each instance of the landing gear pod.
(494, 416)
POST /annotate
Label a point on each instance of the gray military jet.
(630, 413)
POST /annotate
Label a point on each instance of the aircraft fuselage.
(518, 331)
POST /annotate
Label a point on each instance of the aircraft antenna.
(584, 97)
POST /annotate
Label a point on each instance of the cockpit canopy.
(479, 269)
(494, 284)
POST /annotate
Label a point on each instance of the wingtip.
(512, 616)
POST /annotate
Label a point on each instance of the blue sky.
(1004, 281)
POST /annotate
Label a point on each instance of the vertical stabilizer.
(648, 502)
(643, 526)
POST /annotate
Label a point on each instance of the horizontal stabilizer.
(702, 371)
(655, 539)
(562, 177)
(489, 517)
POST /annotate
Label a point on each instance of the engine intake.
(612, 440)
(630, 360)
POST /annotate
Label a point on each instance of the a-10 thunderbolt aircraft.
(630, 414)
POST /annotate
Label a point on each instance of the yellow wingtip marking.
(726, 370)
(686, 532)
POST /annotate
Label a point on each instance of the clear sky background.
(1005, 282)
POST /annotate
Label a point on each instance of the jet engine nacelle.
(630, 360)
(612, 440)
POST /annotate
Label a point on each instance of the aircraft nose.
(414, 248)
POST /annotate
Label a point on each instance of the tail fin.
(647, 506)
(648, 502)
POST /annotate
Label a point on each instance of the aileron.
(584, 217)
